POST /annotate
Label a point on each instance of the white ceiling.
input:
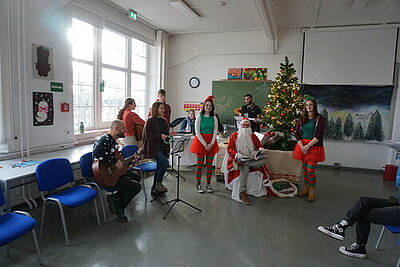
(267, 15)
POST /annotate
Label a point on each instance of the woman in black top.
(155, 135)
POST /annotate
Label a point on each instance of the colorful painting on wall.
(43, 109)
(187, 105)
(235, 73)
(42, 59)
(255, 74)
(352, 112)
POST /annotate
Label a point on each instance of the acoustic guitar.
(107, 174)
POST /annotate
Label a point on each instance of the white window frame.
(97, 75)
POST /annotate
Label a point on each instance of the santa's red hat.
(244, 120)
(209, 98)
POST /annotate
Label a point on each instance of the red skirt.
(198, 148)
(314, 153)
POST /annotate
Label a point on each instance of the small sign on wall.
(64, 107)
(56, 87)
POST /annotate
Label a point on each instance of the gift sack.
(282, 188)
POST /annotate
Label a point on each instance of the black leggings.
(127, 187)
(369, 210)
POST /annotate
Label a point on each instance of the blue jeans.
(162, 165)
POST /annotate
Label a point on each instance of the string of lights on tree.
(285, 100)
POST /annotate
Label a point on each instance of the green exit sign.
(132, 14)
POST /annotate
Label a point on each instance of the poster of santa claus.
(43, 109)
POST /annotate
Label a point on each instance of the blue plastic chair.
(391, 228)
(14, 225)
(143, 168)
(86, 162)
(51, 175)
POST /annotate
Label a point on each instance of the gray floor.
(271, 232)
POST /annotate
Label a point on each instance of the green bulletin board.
(230, 95)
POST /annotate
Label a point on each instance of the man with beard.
(128, 185)
(250, 110)
(243, 144)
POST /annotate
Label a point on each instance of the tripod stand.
(177, 199)
(176, 149)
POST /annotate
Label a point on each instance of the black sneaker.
(111, 204)
(336, 231)
(355, 250)
(121, 217)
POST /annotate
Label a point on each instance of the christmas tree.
(375, 128)
(358, 133)
(284, 105)
(348, 126)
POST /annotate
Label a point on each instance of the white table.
(9, 174)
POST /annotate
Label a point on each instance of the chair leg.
(97, 212)
(398, 263)
(102, 206)
(37, 246)
(75, 213)
(380, 237)
(144, 186)
(42, 220)
(64, 224)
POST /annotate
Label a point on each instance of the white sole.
(359, 256)
(336, 236)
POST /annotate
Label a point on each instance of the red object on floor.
(390, 172)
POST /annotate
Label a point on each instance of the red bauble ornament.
(295, 91)
(282, 114)
(292, 129)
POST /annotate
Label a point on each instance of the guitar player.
(105, 150)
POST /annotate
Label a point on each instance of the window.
(112, 59)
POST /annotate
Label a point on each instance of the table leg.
(8, 198)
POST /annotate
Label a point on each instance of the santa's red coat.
(233, 173)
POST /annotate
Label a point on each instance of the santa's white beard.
(244, 144)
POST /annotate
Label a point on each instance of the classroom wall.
(208, 56)
(49, 29)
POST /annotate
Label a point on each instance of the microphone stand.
(177, 199)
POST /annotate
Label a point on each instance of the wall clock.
(194, 82)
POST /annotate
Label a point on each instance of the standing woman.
(205, 142)
(155, 145)
(131, 119)
(310, 147)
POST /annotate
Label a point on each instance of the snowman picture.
(43, 112)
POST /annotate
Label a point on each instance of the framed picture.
(42, 59)
(255, 74)
(43, 109)
(235, 73)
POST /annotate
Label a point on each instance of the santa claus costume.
(205, 142)
(241, 143)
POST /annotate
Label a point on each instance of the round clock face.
(194, 82)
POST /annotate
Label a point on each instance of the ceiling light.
(183, 8)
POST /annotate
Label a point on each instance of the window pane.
(114, 49)
(138, 82)
(138, 48)
(82, 85)
(140, 97)
(141, 112)
(82, 37)
(114, 93)
(138, 63)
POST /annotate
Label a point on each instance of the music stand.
(177, 148)
(177, 199)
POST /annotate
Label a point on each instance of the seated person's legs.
(243, 177)
(366, 210)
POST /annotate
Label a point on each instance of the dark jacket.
(152, 138)
(318, 132)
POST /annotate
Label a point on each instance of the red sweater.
(131, 119)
